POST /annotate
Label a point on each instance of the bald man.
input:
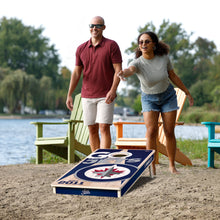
(99, 60)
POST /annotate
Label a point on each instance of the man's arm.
(111, 95)
(73, 83)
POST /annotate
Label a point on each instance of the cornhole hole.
(105, 172)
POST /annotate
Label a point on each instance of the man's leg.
(105, 136)
(94, 140)
(105, 118)
(89, 117)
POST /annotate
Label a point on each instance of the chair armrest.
(210, 123)
(119, 126)
(47, 123)
(180, 123)
(39, 126)
(127, 122)
(211, 128)
(75, 121)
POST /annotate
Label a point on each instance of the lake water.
(17, 137)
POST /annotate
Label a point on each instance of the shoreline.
(130, 118)
(31, 116)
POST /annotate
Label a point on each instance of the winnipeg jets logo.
(107, 172)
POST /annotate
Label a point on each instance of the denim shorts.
(162, 102)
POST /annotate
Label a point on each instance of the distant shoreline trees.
(30, 74)
(29, 69)
(197, 63)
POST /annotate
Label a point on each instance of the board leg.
(151, 171)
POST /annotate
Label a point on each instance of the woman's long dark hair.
(160, 47)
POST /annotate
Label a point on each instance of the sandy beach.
(26, 193)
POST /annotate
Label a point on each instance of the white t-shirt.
(153, 74)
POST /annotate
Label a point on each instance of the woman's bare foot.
(173, 170)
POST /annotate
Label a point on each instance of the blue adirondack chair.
(213, 143)
(69, 147)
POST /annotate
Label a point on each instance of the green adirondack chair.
(69, 147)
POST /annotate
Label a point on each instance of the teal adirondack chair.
(69, 147)
(213, 143)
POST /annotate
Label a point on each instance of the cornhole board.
(105, 172)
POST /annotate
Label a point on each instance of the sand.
(26, 193)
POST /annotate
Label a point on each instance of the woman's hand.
(121, 75)
(190, 98)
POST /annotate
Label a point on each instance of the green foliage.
(24, 47)
(214, 69)
(216, 96)
(137, 104)
(201, 92)
(196, 63)
(14, 89)
(49, 158)
(204, 49)
(29, 69)
(199, 114)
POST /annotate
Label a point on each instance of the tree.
(204, 52)
(216, 97)
(201, 92)
(214, 69)
(24, 47)
(14, 89)
(46, 95)
(204, 49)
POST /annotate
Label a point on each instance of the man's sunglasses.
(145, 41)
(96, 25)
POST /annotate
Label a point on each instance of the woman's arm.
(126, 72)
(178, 82)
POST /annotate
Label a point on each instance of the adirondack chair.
(140, 143)
(69, 147)
(213, 143)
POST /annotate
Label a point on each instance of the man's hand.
(110, 97)
(69, 103)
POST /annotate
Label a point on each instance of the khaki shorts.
(95, 110)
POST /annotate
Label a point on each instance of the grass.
(194, 149)
(49, 158)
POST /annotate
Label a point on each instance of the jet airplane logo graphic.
(107, 172)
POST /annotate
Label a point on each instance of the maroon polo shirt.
(97, 62)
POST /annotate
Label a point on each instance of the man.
(100, 60)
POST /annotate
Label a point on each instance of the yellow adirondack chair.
(140, 143)
(69, 147)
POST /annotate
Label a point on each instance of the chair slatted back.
(181, 98)
(81, 131)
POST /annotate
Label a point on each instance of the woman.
(154, 70)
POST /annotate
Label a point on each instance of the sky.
(65, 22)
